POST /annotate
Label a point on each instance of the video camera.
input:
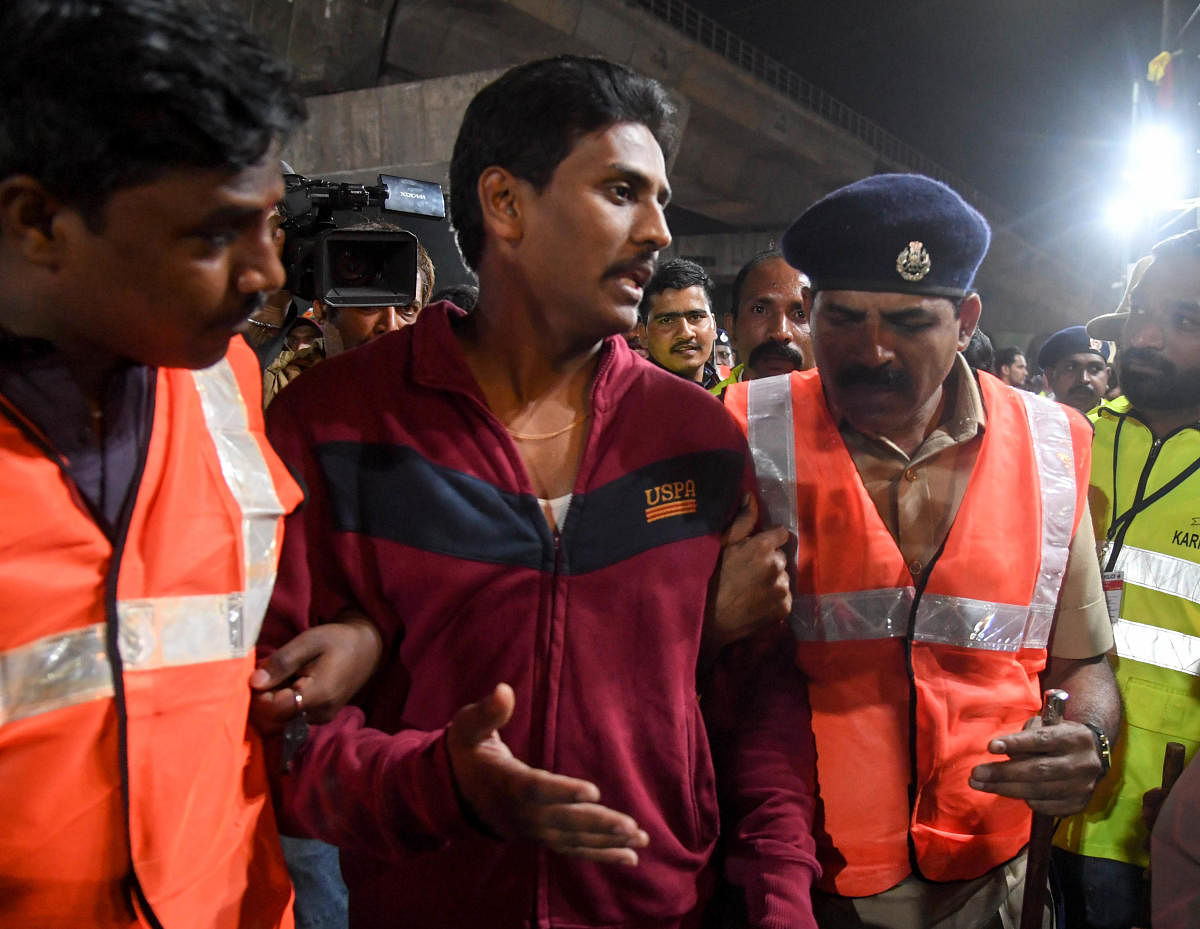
(340, 267)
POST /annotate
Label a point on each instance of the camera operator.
(271, 323)
(347, 327)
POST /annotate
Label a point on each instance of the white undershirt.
(555, 510)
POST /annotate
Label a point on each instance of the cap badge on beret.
(913, 261)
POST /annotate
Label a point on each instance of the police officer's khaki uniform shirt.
(918, 497)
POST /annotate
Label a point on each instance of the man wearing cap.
(1145, 496)
(1076, 368)
(927, 601)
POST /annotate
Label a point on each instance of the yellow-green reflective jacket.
(1145, 501)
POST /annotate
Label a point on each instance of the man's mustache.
(777, 351)
(886, 378)
(641, 266)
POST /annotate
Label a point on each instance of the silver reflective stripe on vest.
(55, 672)
(772, 446)
(1164, 573)
(864, 614)
(1164, 648)
(250, 482)
(881, 614)
(62, 670)
(967, 623)
(169, 631)
(1055, 455)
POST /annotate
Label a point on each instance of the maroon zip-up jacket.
(420, 514)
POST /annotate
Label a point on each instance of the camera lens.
(356, 264)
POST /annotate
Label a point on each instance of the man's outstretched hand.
(514, 800)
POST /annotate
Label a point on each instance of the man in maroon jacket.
(532, 519)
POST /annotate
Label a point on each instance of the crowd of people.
(521, 605)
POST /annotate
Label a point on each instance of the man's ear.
(968, 318)
(318, 309)
(27, 215)
(499, 203)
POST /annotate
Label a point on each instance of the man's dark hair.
(676, 274)
(979, 352)
(463, 296)
(105, 94)
(1006, 357)
(529, 119)
(744, 273)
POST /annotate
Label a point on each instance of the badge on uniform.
(913, 262)
(1114, 588)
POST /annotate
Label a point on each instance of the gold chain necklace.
(542, 436)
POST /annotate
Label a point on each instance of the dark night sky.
(1028, 100)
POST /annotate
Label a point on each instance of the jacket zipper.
(541, 899)
(918, 592)
(604, 363)
(132, 884)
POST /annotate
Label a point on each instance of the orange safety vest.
(910, 678)
(134, 792)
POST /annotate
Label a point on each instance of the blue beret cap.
(1073, 340)
(891, 233)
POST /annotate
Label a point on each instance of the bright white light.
(1155, 178)
(1123, 212)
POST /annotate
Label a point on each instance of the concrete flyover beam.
(332, 44)
(746, 147)
(722, 254)
(380, 128)
(752, 157)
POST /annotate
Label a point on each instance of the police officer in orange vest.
(945, 574)
(140, 512)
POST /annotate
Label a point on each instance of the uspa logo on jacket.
(676, 498)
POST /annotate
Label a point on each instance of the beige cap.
(1109, 325)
